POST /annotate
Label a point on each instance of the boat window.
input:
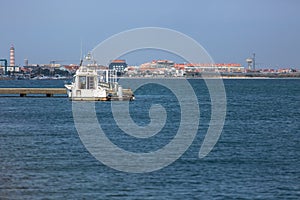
(91, 69)
(90, 82)
(82, 82)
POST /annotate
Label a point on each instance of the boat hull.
(89, 99)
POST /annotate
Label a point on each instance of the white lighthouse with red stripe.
(12, 56)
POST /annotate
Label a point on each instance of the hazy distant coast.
(295, 75)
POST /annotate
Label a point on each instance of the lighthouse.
(12, 56)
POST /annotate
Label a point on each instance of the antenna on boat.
(81, 59)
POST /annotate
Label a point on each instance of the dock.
(23, 92)
(62, 92)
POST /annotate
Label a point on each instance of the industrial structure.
(251, 62)
(5, 66)
(9, 68)
(26, 62)
(12, 56)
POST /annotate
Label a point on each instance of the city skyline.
(230, 31)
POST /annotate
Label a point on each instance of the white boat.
(90, 84)
(85, 86)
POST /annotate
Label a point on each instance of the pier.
(62, 92)
(23, 92)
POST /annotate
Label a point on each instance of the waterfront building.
(118, 65)
(218, 67)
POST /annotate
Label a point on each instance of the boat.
(92, 84)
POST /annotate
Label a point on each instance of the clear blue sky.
(230, 30)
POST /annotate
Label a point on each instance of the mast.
(253, 61)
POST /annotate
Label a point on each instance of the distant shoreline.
(221, 77)
(214, 77)
(207, 76)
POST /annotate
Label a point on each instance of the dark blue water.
(256, 157)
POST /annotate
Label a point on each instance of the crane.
(5, 65)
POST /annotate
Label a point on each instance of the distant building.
(158, 64)
(218, 67)
(118, 65)
(163, 63)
